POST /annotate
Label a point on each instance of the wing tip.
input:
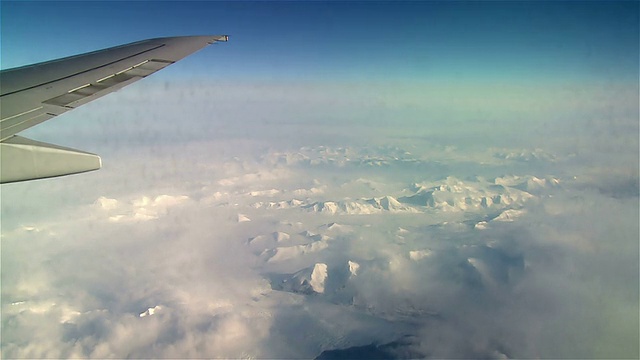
(217, 38)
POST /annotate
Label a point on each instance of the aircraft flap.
(25, 159)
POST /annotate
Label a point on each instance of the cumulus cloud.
(141, 209)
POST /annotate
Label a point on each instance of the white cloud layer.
(276, 235)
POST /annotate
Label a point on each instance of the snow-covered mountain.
(450, 194)
(306, 281)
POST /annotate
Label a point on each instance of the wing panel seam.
(22, 113)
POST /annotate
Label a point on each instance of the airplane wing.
(35, 93)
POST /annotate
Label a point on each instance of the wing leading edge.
(35, 93)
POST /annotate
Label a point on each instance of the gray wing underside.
(32, 94)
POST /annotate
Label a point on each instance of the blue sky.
(519, 42)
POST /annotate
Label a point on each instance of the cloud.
(141, 209)
(389, 241)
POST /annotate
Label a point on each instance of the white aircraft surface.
(35, 93)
